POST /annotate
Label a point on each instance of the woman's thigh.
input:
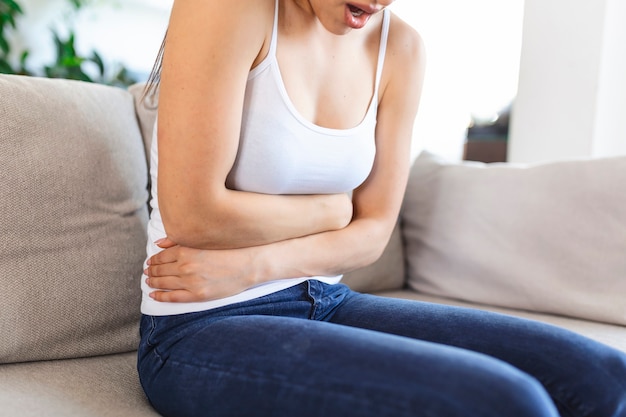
(260, 365)
(584, 377)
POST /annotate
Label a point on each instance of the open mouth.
(356, 12)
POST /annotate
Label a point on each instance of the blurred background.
(473, 77)
(125, 35)
(473, 50)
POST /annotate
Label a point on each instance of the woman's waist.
(156, 308)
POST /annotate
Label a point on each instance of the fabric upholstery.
(387, 273)
(544, 237)
(609, 334)
(106, 386)
(72, 219)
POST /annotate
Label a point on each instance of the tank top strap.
(274, 40)
(384, 34)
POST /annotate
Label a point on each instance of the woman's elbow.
(379, 237)
(192, 222)
(190, 229)
(182, 231)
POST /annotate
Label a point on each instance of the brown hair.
(152, 84)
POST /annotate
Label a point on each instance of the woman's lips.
(356, 17)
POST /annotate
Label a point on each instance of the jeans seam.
(314, 302)
(570, 400)
(153, 344)
(151, 332)
(567, 399)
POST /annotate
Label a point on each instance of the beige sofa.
(545, 242)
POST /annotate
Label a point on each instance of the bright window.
(473, 50)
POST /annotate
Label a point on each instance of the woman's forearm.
(182, 274)
(236, 219)
(359, 244)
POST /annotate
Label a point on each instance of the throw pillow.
(547, 237)
(73, 219)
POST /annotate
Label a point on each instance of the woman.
(280, 163)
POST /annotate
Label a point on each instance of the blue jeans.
(324, 350)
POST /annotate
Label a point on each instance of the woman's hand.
(182, 274)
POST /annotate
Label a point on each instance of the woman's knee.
(490, 388)
(521, 396)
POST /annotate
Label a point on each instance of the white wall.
(572, 84)
(610, 129)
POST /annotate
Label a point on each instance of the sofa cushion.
(544, 237)
(104, 386)
(72, 219)
(386, 274)
(609, 334)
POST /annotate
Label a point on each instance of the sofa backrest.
(546, 237)
(73, 218)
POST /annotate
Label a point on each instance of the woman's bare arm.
(210, 50)
(377, 201)
(195, 275)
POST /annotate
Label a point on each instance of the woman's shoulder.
(219, 14)
(404, 39)
(240, 29)
(405, 60)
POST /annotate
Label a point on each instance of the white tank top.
(280, 152)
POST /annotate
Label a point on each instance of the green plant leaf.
(97, 59)
(68, 63)
(4, 45)
(13, 6)
(5, 67)
(23, 57)
(11, 21)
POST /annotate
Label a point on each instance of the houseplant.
(68, 62)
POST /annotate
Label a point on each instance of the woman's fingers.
(180, 274)
(175, 296)
(162, 270)
(196, 288)
(166, 256)
(169, 289)
(166, 283)
(165, 243)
